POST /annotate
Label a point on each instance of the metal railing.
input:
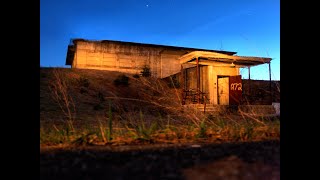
(196, 97)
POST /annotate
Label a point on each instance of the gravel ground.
(250, 160)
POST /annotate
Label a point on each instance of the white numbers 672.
(236, 86)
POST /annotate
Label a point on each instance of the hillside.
(93, 107)
(105, 124)
(91, 91)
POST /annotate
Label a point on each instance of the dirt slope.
(92, 90)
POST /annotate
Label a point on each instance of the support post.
(198, 80)
(249, 81)
(271, 93)
(182, 85)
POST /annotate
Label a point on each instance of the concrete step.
(209, 107)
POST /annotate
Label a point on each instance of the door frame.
(222, 76)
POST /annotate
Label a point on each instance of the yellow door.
(223, 91)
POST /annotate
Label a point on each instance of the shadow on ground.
(250, 160)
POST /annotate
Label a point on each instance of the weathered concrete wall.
(213, 73)
(131, 58)
(126, 58)
(170, 63)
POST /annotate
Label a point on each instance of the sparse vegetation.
(121, 80)
(60, 93)
(85, 139)
(83, 82)
(146, 111)
(174, 82)
(202, 130)
(146, 71)
(136, 76)
(109, 131)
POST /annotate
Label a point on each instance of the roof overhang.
(215, 59)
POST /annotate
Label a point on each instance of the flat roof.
(154, 45)
(71, 49)
(208, 58)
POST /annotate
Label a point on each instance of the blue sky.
(249, 27)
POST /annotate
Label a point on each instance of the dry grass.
(147, 110)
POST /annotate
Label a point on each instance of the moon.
(147, 5)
